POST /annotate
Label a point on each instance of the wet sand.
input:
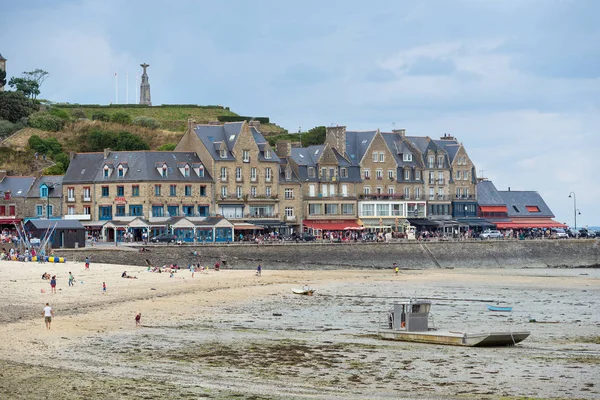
(230, 334)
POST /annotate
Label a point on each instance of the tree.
(121, 117)
(29, 83)
(14, 106)
(101, 116)
(2, 77)
(129, 141)
(46, 122)
(314, 136)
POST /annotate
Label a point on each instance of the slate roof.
(88, 167)
(451, 147)
(517, 202)
(54, 183)
(212, 136)
(18, 185)
(488, 195)
(357, 143)
(397, 146)
(60, 223)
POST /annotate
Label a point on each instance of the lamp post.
(575, 209)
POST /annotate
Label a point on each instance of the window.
(87, 210)
(323, 173)
(466, 193)
(431, 177)
(348, 209)
(289, 211)
(203, 211)
(390, 173)
(188, 190)
(407, 174)
(417, 174)
(458, 192)
(164, 170)
(382, 157)
(186, 171)
(390, 190)
(367, 190)
(324, 190)
(379, 190)
(379, 174)
(253, 191)
(246, 156)
(238, 192)
(201, 172)
(268, 174)
(86, 194)
(135, 191)
(223, 153)
(332, 172)
(368, 210)
(238, 174)
(344, 190)
(457, 175)
(311, 172)
(39, 211)
(417, 193)
(203, 190)
(288, 174)
(223, 191)
(157, 190)
(383, 210)
(136, 210)
(120, 191)
(105, 191)
(43, 191)
(430, 161)
(367, 173)
(253, 174)
(120, 211)
(396, 210)
(105, 212)
(314, 209)
(224, 174)
(344, 172)
(406, 192)
(172, 190)
(268, 154)
(158, 211)
(289, 193)
(106, 171)
(268, 191)
(431, 193)
(311, 190)
(440, 162)
(331, 209)
(71, 194)
(466, 175)
(441, 193)
(407, 157)
(440, 178)
(375, 158)
(121, 171)
(173, 211)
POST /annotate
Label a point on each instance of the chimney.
(254, 123)
(2, 175)
(447, 137)
(336, 138)
(71, 155)
(509, 188)
(283, 148)
(401, 132)
(191, 124)
(106, 153)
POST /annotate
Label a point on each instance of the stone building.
(44, 198)
(13, 192)
(290, 188)
(3, 68)
(245, 168)
(125, 185)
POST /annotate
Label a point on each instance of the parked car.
(573, 233)
(586, 233)
(307, 237)
(558, 233)
(164, 238)
(491, 234)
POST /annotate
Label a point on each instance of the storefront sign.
(120, 200)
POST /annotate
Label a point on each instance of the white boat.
(307, 291)
(409, 321)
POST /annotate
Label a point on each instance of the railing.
(290, 217)
(463, 197)
(438, 197)
(441, 182)
(380, 178)
(331, 196)
(395, 196)
(271, 215)
(367, 177)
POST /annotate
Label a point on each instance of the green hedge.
(207, 107)
(239, 118)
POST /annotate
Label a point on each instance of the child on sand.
(138, 320)
(71, 279)
(103, 287)
(53, 284)
(87, 263)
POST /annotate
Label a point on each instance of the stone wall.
(509, 254)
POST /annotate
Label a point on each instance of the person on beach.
(103, 287)
(71, 279)
(258, 270)
(138, 320)
(396, 269)
(87, 263)
(192, 269)
(48, 313)
(124, 275)
(53, 284)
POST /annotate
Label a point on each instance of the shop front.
(321, 228)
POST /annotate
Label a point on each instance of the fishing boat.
(409, 321)
(499, 309)
(307, 291)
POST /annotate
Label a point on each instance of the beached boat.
(500, 309)
(409, 321)
(307, 291)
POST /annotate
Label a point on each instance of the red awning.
(333, 226)
(9, 220)
(522, 223)
(493, 209)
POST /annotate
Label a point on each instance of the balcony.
(290, 217)
(261, 215)
(347, 196)
(71, 199)
(239, 179)
(464, 197)
(80, 217)
(224, 179)
(375, 196)
(441, 181)
(86, 197)
(439, 197)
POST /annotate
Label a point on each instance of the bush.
(56, 169)
(64, 160)
(15, 106)
(7, 128)
(62, 114)
(120, 117)
(49, 146)
(238, 118)
(45, 122)
(101, 116)
(78, 113)
(167, 147)
(98, 139)
(146, 122)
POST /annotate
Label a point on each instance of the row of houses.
(355, 180)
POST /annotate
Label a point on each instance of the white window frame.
(268, 191)
(253, 174)
(238, 174)
(289, 211)
(407, 192)
(344, 172)
(223, 191)
(407, 157)
(223, 153)
(223, 173)
(375, 157)
(391, 174)
(367, 190)
(367, 173)
(379, 173)
(382, 157)
(246, 156)
(238, 192)
(268, 155)
(268, 175)
(407, 174)
(289, 193)
(391, 190)
(311, 172)
(253, 191)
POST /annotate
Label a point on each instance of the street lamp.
(575, 209)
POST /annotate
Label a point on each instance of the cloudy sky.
(517, 81)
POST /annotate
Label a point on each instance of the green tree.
(64, 159)
(314, 136)
(29, 83)
(101, 116)
(14, 106)
(146, 122)
(50, 146)
(129, 141)
(46, 122)
(167, 147)
(56, 169)
(121, 117)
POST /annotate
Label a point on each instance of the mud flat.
(231, 334)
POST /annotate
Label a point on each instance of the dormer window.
(268, 154)
(164, 170)
(407, 157)
(288, 174)
(223, 153)
(246, 155)
(43, 192)
(186, 171)
(121, 171)
(106, 171)
(8, 193)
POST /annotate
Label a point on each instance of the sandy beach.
(231, 334)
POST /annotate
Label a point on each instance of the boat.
(500, 309)
(307, 291)
(409, 321)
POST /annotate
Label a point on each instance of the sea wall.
(475, 254)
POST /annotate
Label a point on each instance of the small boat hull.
(305, 292)
(499, 309)
(490, 339)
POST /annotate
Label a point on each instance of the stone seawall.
(477, 254)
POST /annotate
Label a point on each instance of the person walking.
(103, 287)
(71, 279)
(87, 263)
(48, 313)
(138, 320)
(193, 269)
(396, 269)
(258, 270)
(53, 284)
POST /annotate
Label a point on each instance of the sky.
(516, 81)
